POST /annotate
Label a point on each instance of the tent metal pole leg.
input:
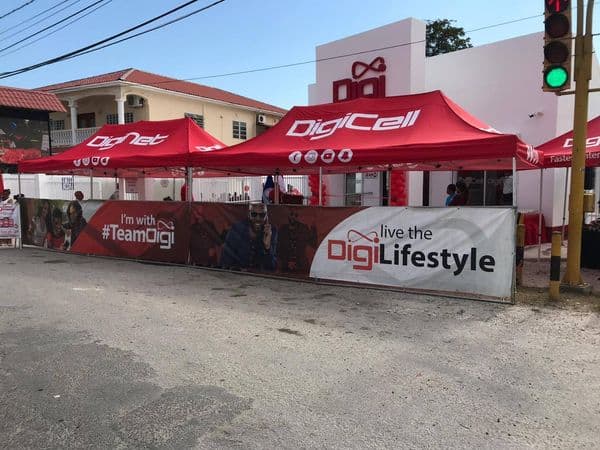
(540, 216)
(515, 183)
(562, 231)
(19, 240)
(91, 184)
(389, 187)
(190, 184)
(320, 186)
(174, 198)
(484, 186)
(276, 196)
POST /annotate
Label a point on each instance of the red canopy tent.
(158, 149)
(558, 151)
(413, 132)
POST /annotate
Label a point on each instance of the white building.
(500, 83)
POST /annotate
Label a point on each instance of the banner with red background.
(450, 250)
(156, 231)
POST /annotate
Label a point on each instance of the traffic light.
(558, 44)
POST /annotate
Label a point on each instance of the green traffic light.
(556, 77)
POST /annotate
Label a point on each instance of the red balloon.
(313, 184)
(399, 188)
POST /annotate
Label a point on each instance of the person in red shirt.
(184, 191)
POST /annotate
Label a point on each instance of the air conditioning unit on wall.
(135, 101)
(261, 119)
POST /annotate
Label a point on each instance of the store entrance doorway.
(487, 187)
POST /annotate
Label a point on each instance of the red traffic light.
(557, 5)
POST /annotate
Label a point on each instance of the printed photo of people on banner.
(259, 237)
(54, 224)
(249, 237)
(438, 249)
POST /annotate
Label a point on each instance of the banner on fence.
(55, 224)
(450, 250)
(10, 220)
(156, 231)
(457, 250)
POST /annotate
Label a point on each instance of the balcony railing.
(63, 138)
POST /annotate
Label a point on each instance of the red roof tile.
(29, 99)
(169, 84)
(97, 79)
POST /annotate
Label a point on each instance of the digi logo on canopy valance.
(361, 84)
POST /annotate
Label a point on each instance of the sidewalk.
(537, 274)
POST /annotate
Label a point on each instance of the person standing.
(5, 199)
(451, 191)
(184, 192)
(462, 194)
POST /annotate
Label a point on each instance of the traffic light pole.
(583, 64)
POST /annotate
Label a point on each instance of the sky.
(235, 35)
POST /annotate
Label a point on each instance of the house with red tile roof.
(131, 95)
(24, 115)
(28, 99)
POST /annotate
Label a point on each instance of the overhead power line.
(103, 41)
(14, 44)
(77, 19)
(158, 27)
(509, 22)
(312, 61)
(39, 21)
(17, 9)
(98, 46)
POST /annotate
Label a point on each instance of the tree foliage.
(442, 37)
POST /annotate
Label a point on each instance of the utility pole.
(583, 64)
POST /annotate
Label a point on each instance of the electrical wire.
(52, 26)
(158, 27)
(99, 46)
(509, 22)
(17, 9)
(312, 61)
(39, 21)
(95, 44)
(58, 29)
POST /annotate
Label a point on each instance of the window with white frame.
(239, 130)
(57, 124)
(113, 119)
(198, 118)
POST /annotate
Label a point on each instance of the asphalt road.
(100, 353)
